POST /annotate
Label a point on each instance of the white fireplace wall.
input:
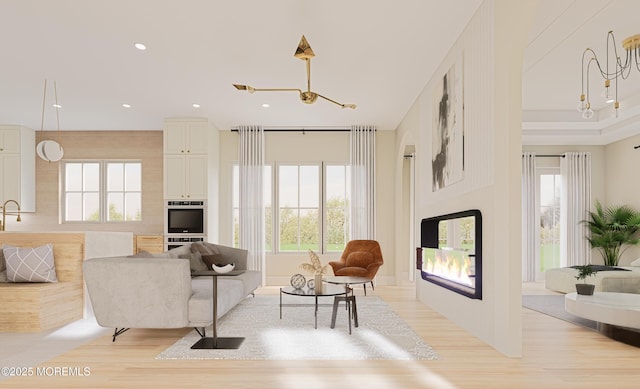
(492, 48)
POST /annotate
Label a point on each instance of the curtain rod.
(302, 130)
(548, 156)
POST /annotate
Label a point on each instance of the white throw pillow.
(30, 264)
(636, 262)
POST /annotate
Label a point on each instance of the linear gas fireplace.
(450, 252)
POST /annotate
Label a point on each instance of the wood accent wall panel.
(87, 145)
(33, 307)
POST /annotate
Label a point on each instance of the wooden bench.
(34, 307)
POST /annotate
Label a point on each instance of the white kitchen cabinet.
(188, 136)
(185, 159)
(18, 166)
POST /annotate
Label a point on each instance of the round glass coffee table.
(349, 297)
(327, 291)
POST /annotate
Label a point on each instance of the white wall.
(492, 48)
(621, 183)
(282, 147)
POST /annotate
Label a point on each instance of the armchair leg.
(365, 289)
(117, 332)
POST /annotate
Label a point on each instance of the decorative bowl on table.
(222, 269)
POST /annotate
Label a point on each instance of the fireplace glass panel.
(451, 252)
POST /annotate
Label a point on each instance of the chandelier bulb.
(588, 113)
(581, 104)
(606, 91)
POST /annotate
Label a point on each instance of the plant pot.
(318, 283)
(585, 289)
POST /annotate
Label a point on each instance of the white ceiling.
(552, 73)
(376, 54)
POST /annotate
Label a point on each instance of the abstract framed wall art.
(447, 158)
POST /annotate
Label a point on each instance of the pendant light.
(50, 150)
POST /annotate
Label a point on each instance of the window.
(549, 216)
(298, 208)
(312, 207)
(268, 209)
(102, 191)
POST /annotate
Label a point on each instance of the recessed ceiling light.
(195, 105)
(265, 105)
(57, 106)
(126, 105)
(140, 46)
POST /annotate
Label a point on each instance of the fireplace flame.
(453, 265)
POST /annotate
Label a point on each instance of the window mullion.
(102, 198)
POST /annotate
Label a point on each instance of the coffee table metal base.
(225, 343)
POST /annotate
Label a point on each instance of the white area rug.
(381, 334)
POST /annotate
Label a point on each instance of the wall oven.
(185, 222)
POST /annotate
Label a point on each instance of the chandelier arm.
(612, 37)
(308, 61)
(352, 106)
(628, 69)
(627, 63)
(277, 90)
(588, 66)
(594, 57)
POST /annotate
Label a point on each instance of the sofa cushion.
(359, 259)
(352, 272)
(141, 254)
(30, 264)
(230, 292)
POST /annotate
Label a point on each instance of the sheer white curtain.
(363, 182)
(575, 203)
(529, 241)
(251, 168)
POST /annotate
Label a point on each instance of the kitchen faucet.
(5, 213)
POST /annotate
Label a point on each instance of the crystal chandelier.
(613, 69)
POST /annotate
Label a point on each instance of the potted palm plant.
(611, 229)
(585, 271)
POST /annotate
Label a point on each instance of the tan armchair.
(360, 258)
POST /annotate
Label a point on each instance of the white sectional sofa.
(159, 292)
(563, 280)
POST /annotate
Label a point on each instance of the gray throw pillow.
(30, 264)
(3, 265)
(195, 261)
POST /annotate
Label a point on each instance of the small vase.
(318, 283)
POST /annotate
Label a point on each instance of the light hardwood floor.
(556, 355)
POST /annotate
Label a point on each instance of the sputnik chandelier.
(613, 69)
